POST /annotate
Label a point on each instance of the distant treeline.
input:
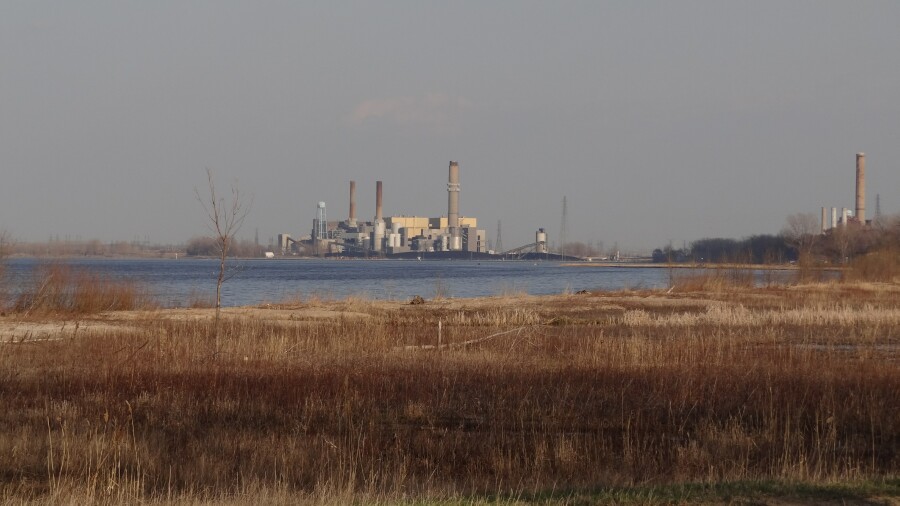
(801, 241)
(208, 247)
(196, 246)
(757, 249)
(92, 247)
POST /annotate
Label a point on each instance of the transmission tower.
(562, 230)
(877, 206)
(498, 246)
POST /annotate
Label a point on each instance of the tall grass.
(63, 289)
(879, 265)
(606, 389)
(712, 280)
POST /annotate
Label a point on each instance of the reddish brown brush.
(574, 391)
(66, 290)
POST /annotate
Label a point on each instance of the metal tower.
(498, 246)
(562, 230)
(877, 206)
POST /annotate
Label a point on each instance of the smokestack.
(378, 232)
(824, 219)
(453, 207)
(352, 219)
(834, 221)
(378, 215)
(861, 188)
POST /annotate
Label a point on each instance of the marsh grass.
(714, 280)
(880, 265)
(66, 290)
(619, 390)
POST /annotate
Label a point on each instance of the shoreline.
(696, 266)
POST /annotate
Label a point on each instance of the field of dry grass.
(562, 399)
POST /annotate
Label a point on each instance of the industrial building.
(831, 220)
(401, 236)
(394, 235)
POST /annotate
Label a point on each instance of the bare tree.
(844, 240)
(225, 219)
(5, 244)
(5, 250)
(802, 231)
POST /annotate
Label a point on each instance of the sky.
(659, 122)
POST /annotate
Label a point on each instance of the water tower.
(320, 227)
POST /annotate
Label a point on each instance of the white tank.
(540, 241)
(378, 235)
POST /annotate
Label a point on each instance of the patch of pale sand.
(570, 302)
(853, 286)
(255, 313)
(662, 301)
(22, 332)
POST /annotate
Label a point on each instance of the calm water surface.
(177, 282)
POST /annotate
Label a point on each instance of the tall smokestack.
(378, 215)
(378, 233)
(453, 207)
(352, 218)
(861, 187)
(824, 219)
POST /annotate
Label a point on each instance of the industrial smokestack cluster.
(453, 207)
(848, 215)
(861, 188)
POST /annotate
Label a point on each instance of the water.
(177, 282)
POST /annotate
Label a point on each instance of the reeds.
(594, 390)
(880, 265)
(65, 290)
(712, 279)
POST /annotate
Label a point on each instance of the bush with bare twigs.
(880, 265)
(62, 289)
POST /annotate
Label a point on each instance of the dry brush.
(587, 390)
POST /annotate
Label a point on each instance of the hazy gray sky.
(658, 120)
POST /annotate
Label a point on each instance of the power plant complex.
(832, 219)
(456, 236)
(396, 236)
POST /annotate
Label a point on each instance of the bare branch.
(225, 219)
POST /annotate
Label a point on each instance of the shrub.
(879, 265)
(60, 288)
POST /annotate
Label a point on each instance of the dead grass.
(712, 280)
(65, 290)
(606, 389)
(880, 265)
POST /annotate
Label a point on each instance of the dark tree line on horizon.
(757, 249)
(801, 240)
